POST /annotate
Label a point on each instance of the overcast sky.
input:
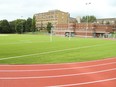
(14, 9)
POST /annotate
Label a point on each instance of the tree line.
(21, 25)
(18, 26)
(89, 19)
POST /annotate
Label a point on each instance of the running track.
(100, 73)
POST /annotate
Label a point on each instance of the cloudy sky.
(13, 9)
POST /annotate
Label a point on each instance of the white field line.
(85, 83)
(56, 76)
(52, 51)
(57, 69)
(22, 42)
(3, 35)
(60, 63)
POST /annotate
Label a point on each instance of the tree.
(89, 19)
(33, 24)
(20, 26)
(5, 27)
(0, 27)
(12, 26)
(107, 22)
(49, 26)
(28, 25)
(83, 19)
(17, 26)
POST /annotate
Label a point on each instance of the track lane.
(59, 80)
(56, 66)
(72, 70)
(53, 74)
(99, 83)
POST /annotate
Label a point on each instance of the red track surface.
(101, 73)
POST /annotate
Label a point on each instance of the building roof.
(107, 19)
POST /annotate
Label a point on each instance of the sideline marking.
(57, 76)
(84, 83)
(90, 66)
(52, 51)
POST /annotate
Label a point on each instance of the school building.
(64, 25)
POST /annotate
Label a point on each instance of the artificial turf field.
(38, 49)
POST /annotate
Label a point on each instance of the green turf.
(37, 49)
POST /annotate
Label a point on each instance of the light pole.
(87, 20)
(106, 33)
(53, 26)
(69, 34)
(51, 38)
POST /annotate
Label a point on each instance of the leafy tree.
(28, 25)
(89, 19)
(20, 26)
(83, 19)
(5, 27)
(107, 22)
(17, 26)
(33, 24)
(0, 27)
(12, 26)
(49, 26)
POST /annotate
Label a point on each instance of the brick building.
(53, 16)
(84, 30)
(106, 21)
(64, 25)
(65, 29)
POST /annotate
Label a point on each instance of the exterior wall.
(83, 30)
(114, 28)
(54, 16)
(103, 28)
(106, 21)
(63, 29)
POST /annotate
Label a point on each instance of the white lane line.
(57, 69)
(56, 76)
(24, 42)
(53, 51)
(85, 83)
(60, 63)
